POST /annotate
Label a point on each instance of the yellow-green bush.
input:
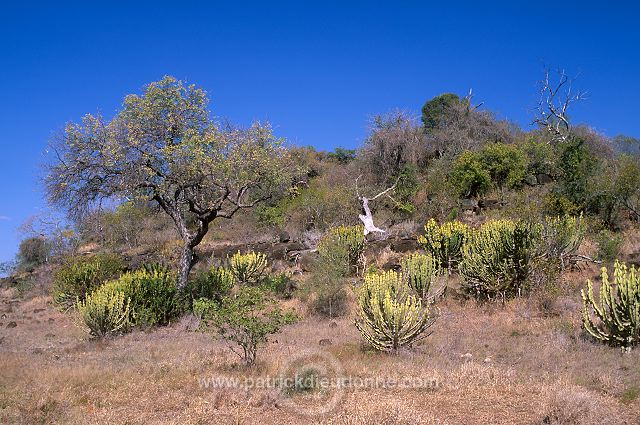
(388, 316)
(212, 284)
(618, 310)
(343, 243)
(105, 311)
(78, 276)
(445, 242)
(497, 258)
(421, 272)
(152, 295)
(249, 268)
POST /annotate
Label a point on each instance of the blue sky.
(317, 70)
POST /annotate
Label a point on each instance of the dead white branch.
(367, 217)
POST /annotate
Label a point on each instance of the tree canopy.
(164, 146)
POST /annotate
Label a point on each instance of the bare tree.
(556, 97)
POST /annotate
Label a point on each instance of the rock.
(333, 325)
(295, 246)
(325, 342)
(284, 236)
(488, 359)
(469, 204)
(531, 180)
(392, 263)
(544, 178)
(404, 245)
(489, 204)
(467, 357)
(38, 310)
(12, 325)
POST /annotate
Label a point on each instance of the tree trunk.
(186, 262)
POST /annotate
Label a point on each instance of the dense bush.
(445, 242)
(389, 316)
(496, 165)
(497, 259)
(152, 293)
(212, 284)
(469, 175)
(249, 268)
(245, 318)
(609, 245)
(33, 252)
(80, 275)
(343, 243)
(326, 283)
(618, 310)
(561, 237)
(105, 311)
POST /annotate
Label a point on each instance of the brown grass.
(509, 364)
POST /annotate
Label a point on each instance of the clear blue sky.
(316, 70)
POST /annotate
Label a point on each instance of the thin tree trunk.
(186, 262)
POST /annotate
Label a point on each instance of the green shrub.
(388, 316)
(506, 165)
(280, 285)
(212, 284)
(105, 311)
(341, 240)
(618, 309)
(562, 237)
(327, 285)
(245, 319)
(78, 276)
(609, 245)
(421, 273)
(445, 242)
(249, 268)
(496, 165)
(469, 175)
(497, 259)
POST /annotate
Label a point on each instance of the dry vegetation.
(525, 362)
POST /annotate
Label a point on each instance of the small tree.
(164, 147)
(245, 319)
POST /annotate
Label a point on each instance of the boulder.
(544, 178)
(468, 204)
(531, 180)
(404, 245)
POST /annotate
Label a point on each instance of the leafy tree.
(435, 111)
(164, 147)
(342, 156)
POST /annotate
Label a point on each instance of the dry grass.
(492, 364)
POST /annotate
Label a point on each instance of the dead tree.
(367, 217)
(556, 97)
